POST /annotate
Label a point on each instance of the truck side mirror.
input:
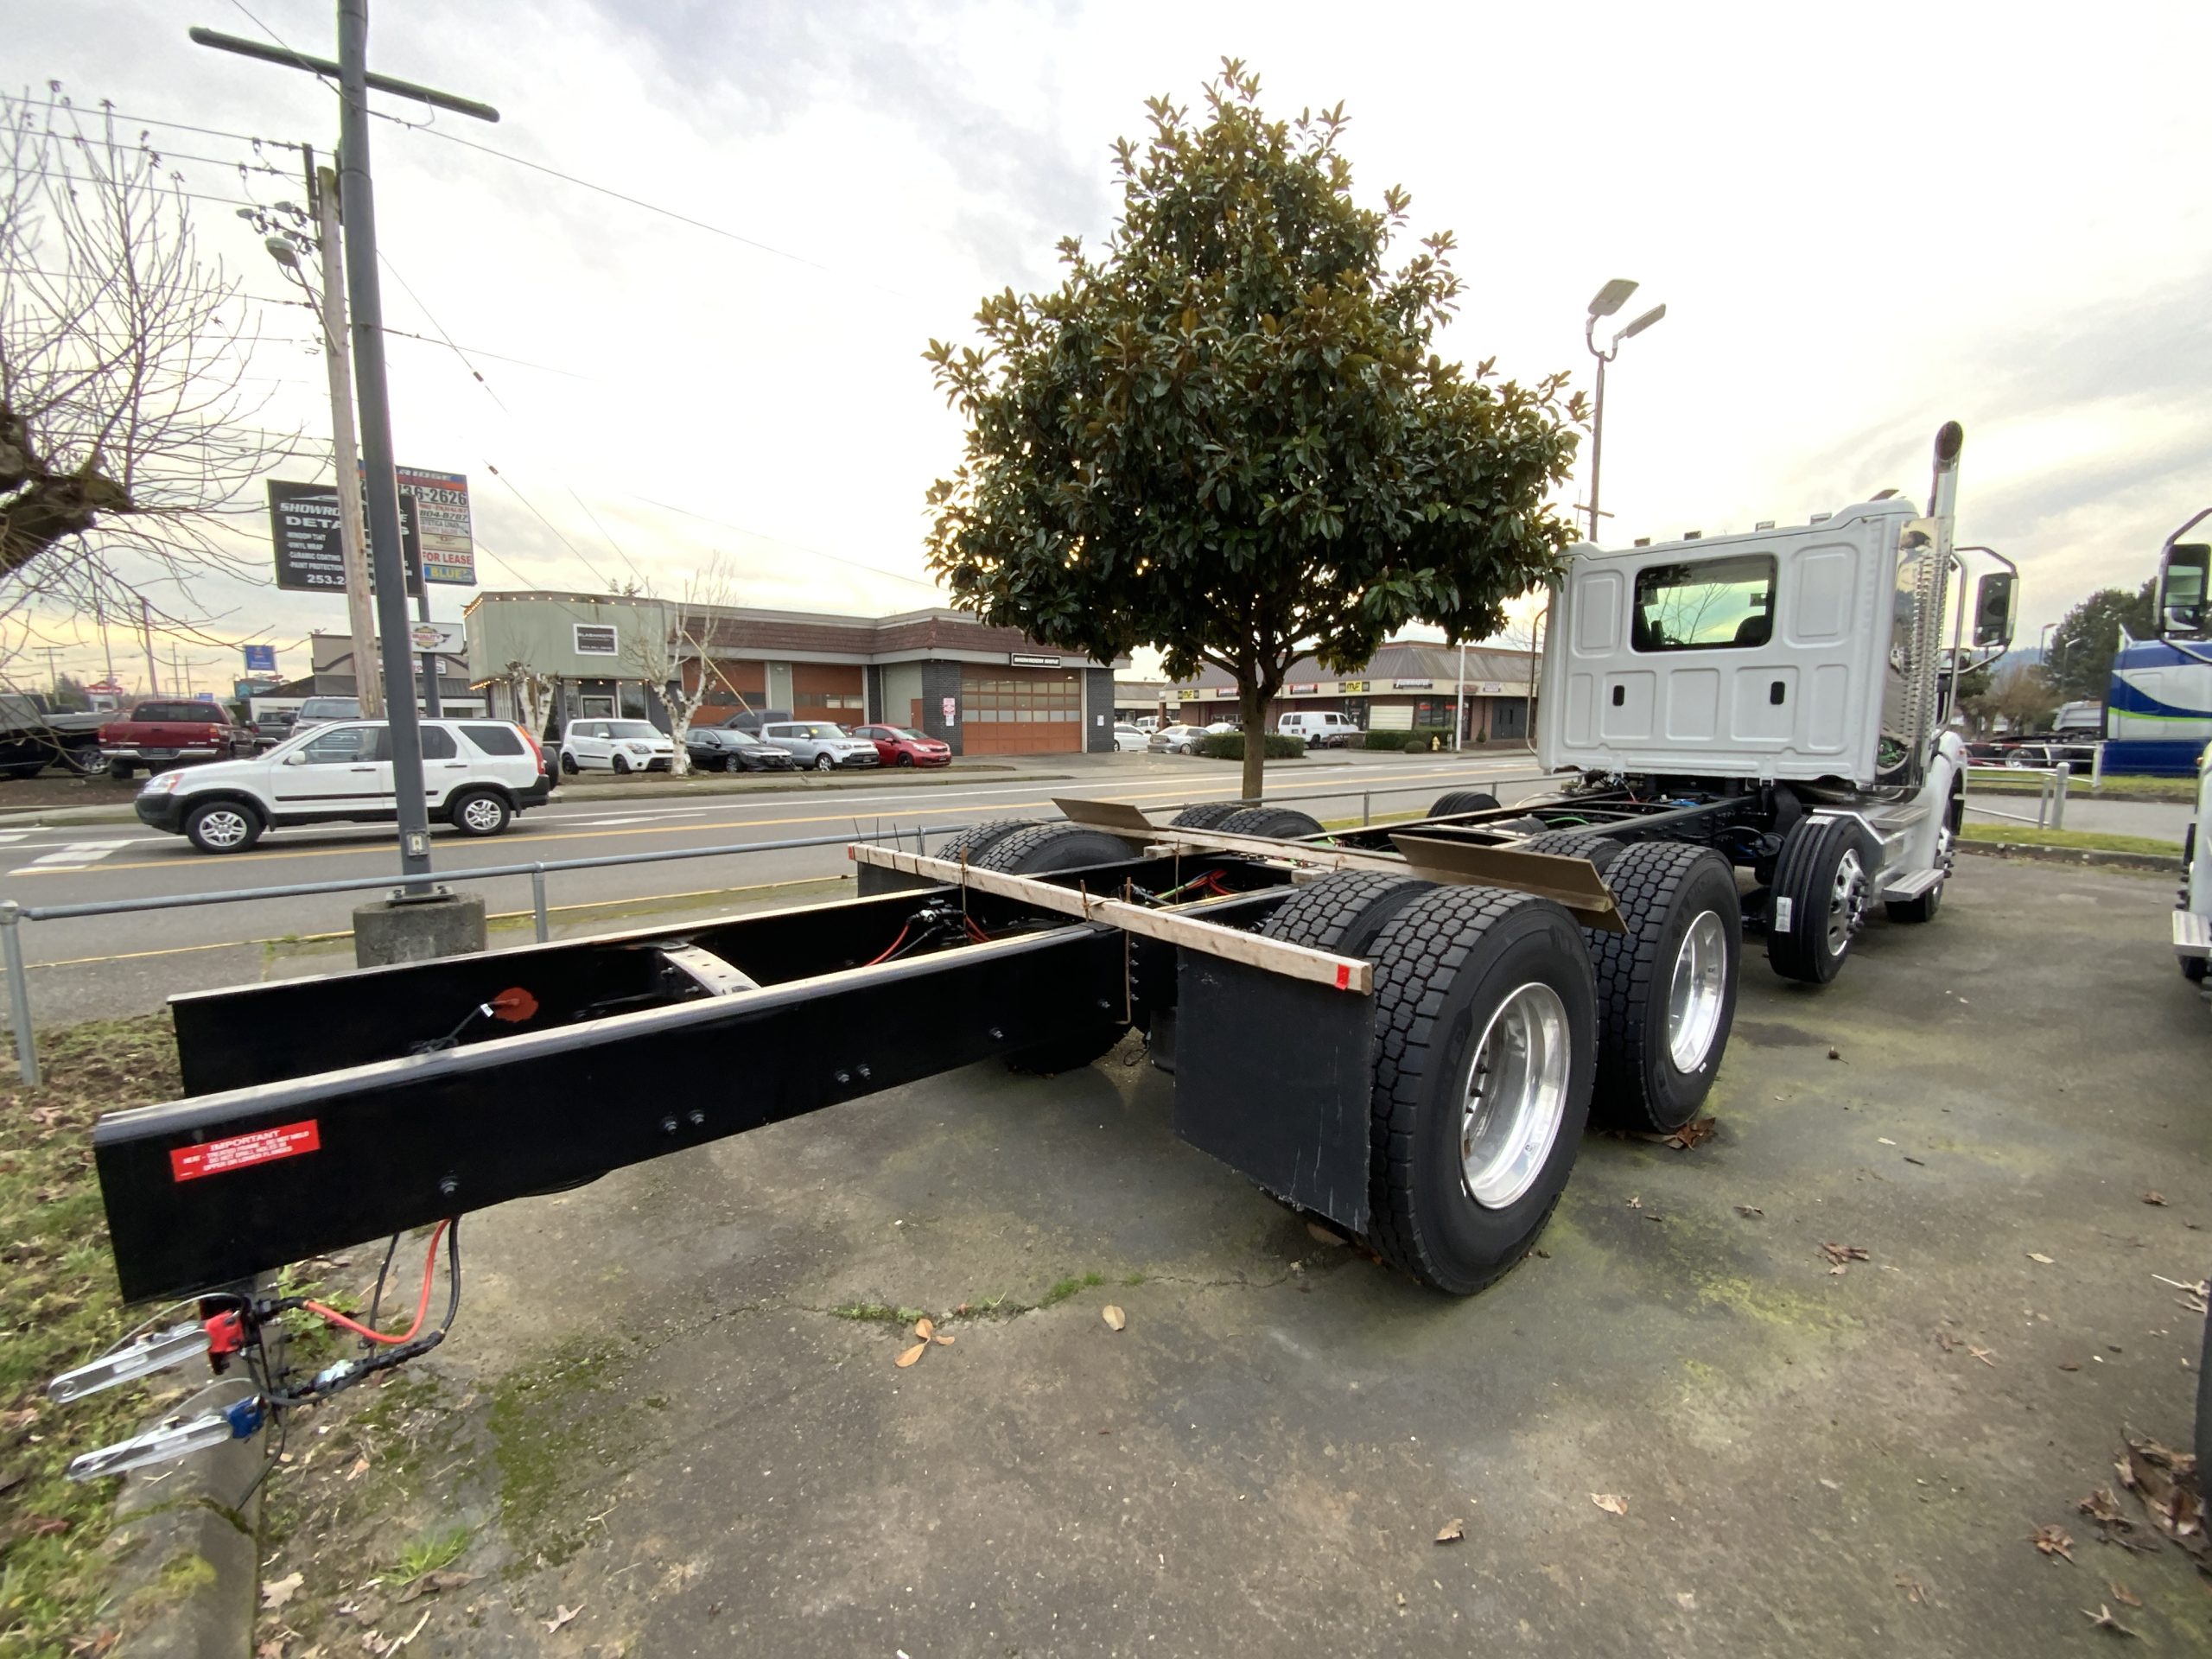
(1992, 609)
(2181, 589)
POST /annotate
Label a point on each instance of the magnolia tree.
(1225, 434)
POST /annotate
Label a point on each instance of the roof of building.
(1401, 659)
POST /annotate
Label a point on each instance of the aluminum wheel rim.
(1515, 1097)
(1696, 991)
(481, 814)
(1846, 901)
(223, 827)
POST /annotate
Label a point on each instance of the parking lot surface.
(669, 1408)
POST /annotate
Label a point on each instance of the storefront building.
(983, 690)
(1408, 686)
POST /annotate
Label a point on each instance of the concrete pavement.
(671, 1410)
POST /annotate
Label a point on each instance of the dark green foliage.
(1229, 746)
(2082, 646)
(1225, 434)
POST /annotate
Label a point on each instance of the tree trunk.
(1252, 710)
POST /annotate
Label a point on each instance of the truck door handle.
(1776, 692)
(1620, 696)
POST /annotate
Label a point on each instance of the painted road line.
(950, 811)
(76, 855)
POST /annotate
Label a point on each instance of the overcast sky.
(1860, 227)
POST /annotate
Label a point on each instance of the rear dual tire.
(1482, 1067)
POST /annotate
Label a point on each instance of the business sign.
(203, 696)
(449, 545)
(310, 557)
(261, 659)
(951, 711)
(1307, 690)
(1222, 691)
(1351, 688)
(1024, 659)
(1413, 685)
(448, 639)
(106, 688)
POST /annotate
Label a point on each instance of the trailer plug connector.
(227, 1335)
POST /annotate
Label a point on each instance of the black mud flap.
(1274, 1081)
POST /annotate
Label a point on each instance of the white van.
(1319, 729)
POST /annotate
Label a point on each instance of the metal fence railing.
(2051, 793)
(14, 915)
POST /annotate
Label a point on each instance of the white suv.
(617, 746)
(476, 773)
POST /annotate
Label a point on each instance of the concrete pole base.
(418, 930)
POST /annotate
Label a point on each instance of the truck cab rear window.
(1706, 605)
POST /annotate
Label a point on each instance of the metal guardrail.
(13, 915)
(2050, 795)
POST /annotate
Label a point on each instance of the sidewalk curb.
(2149, 862)
(188, 1561)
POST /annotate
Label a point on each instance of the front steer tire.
(222, 827)
(1453, 971)
(1045, 850)
(1667, 984)
(1823, 880)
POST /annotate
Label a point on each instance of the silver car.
(820, 744)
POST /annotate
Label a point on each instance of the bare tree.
(660, 655)
(124, 436)
(532, 691)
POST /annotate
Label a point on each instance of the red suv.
(162, 732)
(897, 747)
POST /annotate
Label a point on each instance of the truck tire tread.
(1275, 822)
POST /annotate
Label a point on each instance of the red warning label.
(262, 1147)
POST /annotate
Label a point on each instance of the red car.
(897, 747)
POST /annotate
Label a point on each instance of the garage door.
(1021, 711)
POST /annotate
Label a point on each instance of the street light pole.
(1608, 300)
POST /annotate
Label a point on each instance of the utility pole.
(52, 670)
(322, 191)
(146, 636)
(363, 287)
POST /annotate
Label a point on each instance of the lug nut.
(696, 1118)
(864, 1072)
(448, 1188)
(668, 1126)
(844, 1077)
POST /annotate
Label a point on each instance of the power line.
(441, 328)
(796, 547)
(550, 525)
(151, 121)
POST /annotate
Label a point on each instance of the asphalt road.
(92, 966)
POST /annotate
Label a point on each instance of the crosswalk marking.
(76, 855)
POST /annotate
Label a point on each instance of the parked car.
(320, 711)
(1321, 728)
(1130, 739)
(273, 729)
(1222, 727)
(158, 733)
(1146, 723)
(1175, 740)
(898, 746)
(34, 734)
(725, 748)
(821, 745)
(477, 774)
(618, 745)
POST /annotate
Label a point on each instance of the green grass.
(2115, 784)
(1067, 1288)
(430, 1552)
(2089, 841)
(57, 1308)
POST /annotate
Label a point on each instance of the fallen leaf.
(2052, 1541)
(1751, 1210)
(1636, 1202)
(1687, 1600)
(2152, 1197)
(2122, 1594)
(1451, 1532)
(1886, 1140)
(561, 1615)
(2038, 1255)
(943, 1339)
(431, 1583)
(1691, 1133)
(925, 1328)
(1983, 1355)
(2103, 1620)
(360, 1467)
(394, 1647)
(963, 1308)
(1114, 1317)
(1610, 1503)
(911, 1355)
(1946, 1341)
(2068, 1365)
(272, 1648)
(1317, 1231)
(1913, 1588)
(1840, 1255)
(274, 1596)
(45, 1526)
(2101, 1507)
